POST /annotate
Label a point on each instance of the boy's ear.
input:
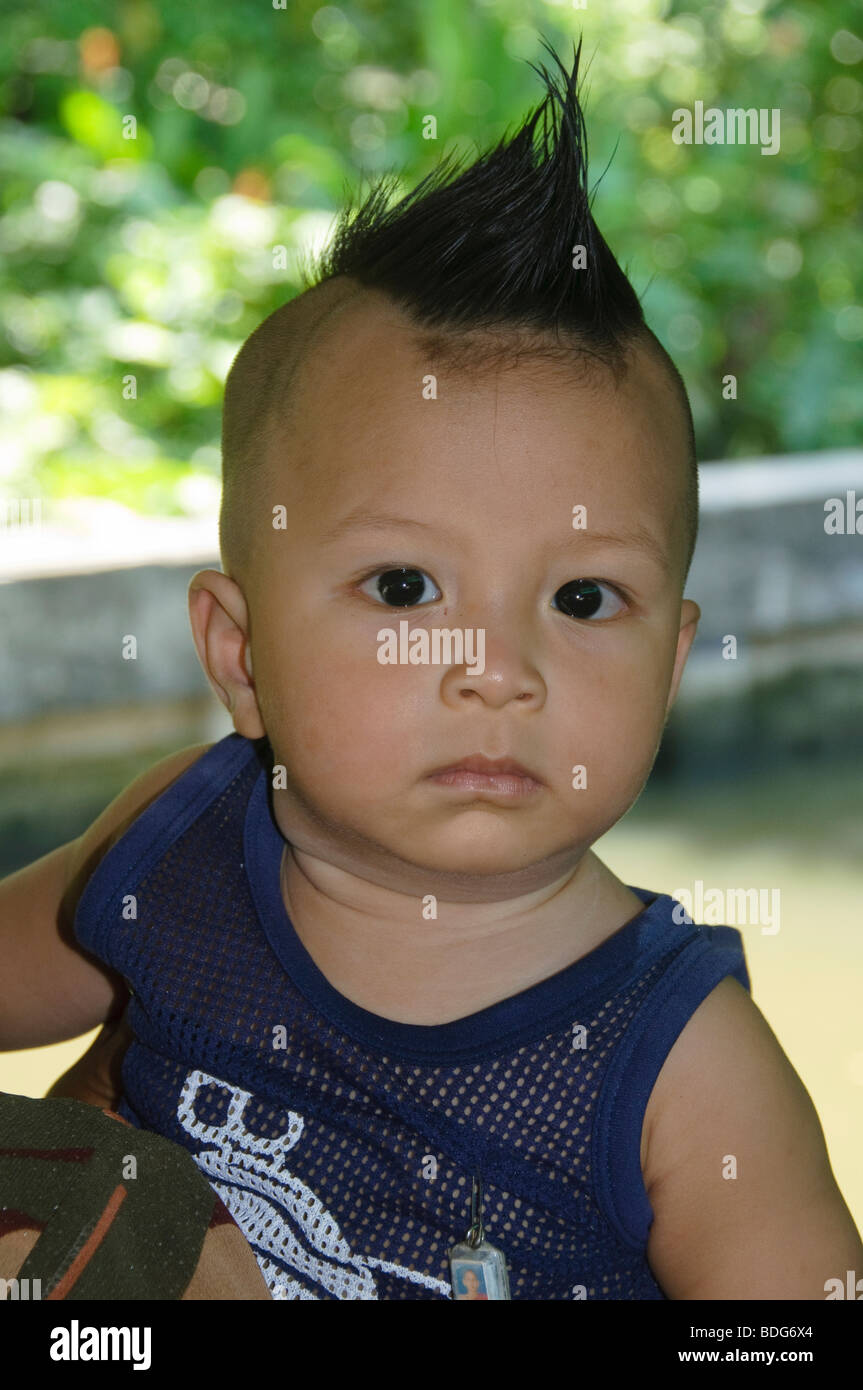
(219, 617)
(690, 615)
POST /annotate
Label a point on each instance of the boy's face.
(485, 478)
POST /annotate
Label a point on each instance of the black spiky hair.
(493, 245)
(482, 262)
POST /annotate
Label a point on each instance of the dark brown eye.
(581, 598)
(400, 588)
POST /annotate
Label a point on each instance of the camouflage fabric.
(93, 1208)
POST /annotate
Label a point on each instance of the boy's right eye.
(400, 588)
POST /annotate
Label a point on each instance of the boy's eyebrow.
(637, 536)
(360, 520)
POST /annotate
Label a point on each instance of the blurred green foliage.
(154, 158)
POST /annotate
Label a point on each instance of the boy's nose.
(503, 682)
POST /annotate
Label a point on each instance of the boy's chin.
(467, 855)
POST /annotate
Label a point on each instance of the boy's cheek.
(335, 734)
(616, 749)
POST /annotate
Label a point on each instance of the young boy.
(378, 975)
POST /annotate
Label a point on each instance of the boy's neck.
(386, 958)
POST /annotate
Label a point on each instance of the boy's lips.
(492, 767)
(498, 776)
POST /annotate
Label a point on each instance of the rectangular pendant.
(478, 1273)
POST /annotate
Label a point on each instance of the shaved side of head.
(258, 409)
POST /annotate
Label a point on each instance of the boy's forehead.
(369, 350)
(372, 379)
(377, 412)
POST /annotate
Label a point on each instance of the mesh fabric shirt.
(344, 1144)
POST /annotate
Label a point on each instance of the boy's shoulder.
(726, 1016)
(744, 1200)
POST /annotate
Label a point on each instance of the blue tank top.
(344, 1144)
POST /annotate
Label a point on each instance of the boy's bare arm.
(780, 1228)
(50, 988)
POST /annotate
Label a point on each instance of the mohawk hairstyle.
(481, 262)
(492, 245)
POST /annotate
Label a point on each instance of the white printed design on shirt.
(250, 1176)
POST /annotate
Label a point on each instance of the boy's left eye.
(400, 588)
(582, 598)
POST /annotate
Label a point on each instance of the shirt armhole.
(148, 837)
(616, 1142)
